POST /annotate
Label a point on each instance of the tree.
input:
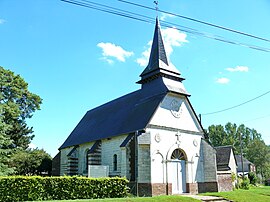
(230, 135)
(31, 162)
(259, 154)
(4, 152)
(254, 148)
(17, 104)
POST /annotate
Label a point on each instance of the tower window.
(114, 162)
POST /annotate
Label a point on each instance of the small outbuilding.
(226, 168)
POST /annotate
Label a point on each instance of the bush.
(17, 188)
(252, 178)
(242, 184)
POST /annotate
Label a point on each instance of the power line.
(198, 21)
(258, 118)
(215, 112)
(143, 18)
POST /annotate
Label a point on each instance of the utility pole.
(243, 174)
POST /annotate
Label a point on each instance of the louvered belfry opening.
(72, 165)
(94, 155)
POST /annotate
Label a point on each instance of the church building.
(151, 136)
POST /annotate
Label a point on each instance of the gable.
(175, 111)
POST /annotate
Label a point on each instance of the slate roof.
(246, 164)
(223, 157)
(121, 116)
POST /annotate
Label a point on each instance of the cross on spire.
(156, 2)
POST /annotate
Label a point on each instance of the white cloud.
(107, 60)
(165, 15)
(223, 80)
(171, 38)
(238, 69)
(114, 51)
(2, 21)
(143, 60)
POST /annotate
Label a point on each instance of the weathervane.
(156, 2)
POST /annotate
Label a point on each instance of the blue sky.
(77, 58)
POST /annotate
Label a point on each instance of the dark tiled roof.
(157, 52)
(246, 164)
(121, 116)
(223, 157)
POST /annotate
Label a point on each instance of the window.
(114, 162)
(178, 154)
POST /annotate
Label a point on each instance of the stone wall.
(225, 182)
(56, 162)
(192, 188)
(144, 164)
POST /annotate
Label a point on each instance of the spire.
(158, 64)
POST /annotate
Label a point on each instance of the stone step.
(207, 198)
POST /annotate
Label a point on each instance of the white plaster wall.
(175, 111)
(82, 150)
(189, 143)
(110, 147)
(232, 163)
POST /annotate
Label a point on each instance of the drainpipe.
(167, 185)
(136, 161)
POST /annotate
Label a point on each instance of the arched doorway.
(178, 171)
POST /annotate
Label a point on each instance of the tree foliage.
(17, 104)
(31, 162)
(4, 152)
(254, 148)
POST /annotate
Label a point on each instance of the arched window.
(178, 154)
(114, 162)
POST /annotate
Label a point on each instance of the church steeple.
(158, 65)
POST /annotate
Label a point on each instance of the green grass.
(257, 194)
(139, 199)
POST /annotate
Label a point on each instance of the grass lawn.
(139, 199)
(257, 194)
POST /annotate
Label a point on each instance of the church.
(151, 136)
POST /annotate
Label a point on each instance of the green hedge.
(18, 188)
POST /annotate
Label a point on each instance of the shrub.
(242, 183)
(17, 188)
(252, 178)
